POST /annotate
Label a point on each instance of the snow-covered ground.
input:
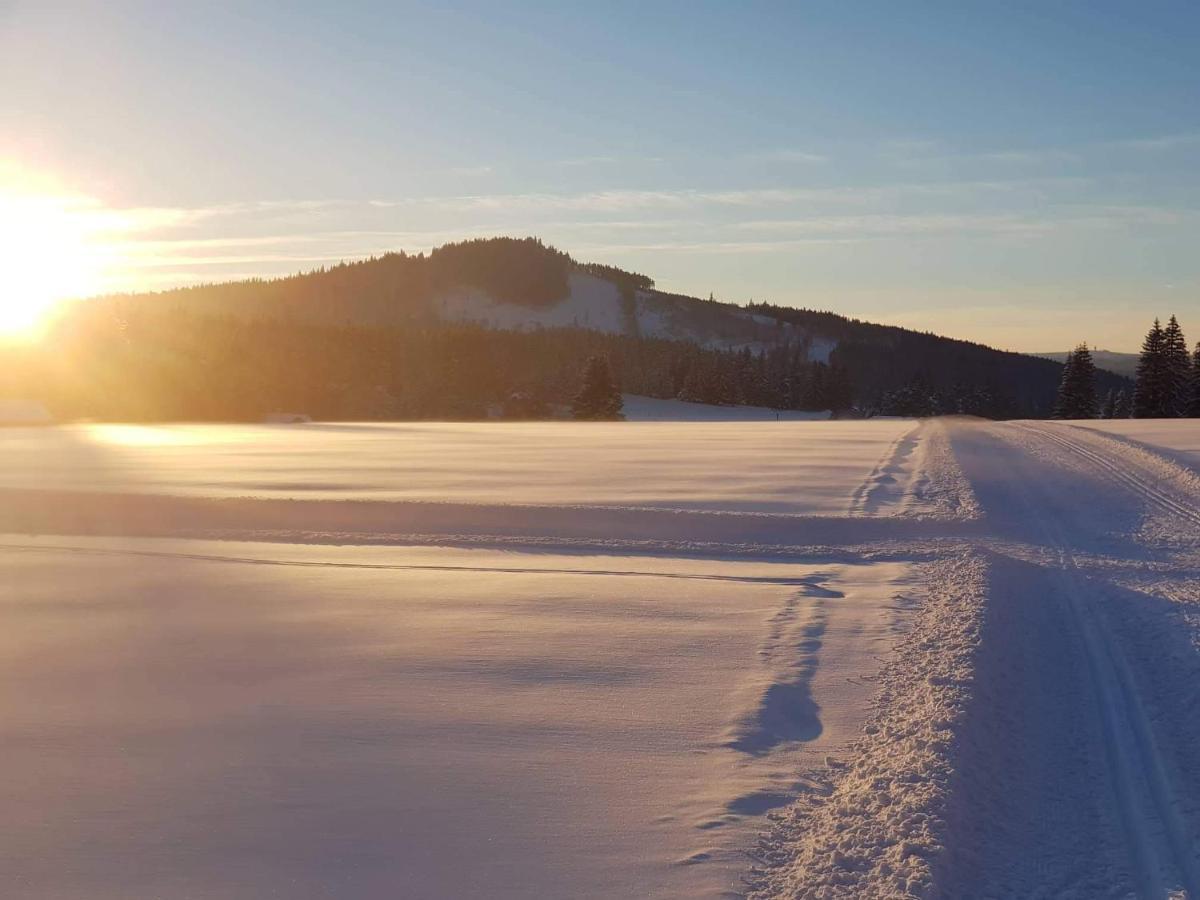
(1168, 437)
(201, 719)
(952, 658)
(775, 467)
(652, 409)
(1036, 734)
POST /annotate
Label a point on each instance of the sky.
(1026, 175)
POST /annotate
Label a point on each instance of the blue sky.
(1027, 175)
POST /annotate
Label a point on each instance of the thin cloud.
(787, 156)
(1157, 144)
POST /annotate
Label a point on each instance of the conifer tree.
(1109, 407)
(599, 398)
(1193, 410)
(1063, 401)
(1178, 370)
(1122, 407)
(1077, 391)
(1150, 392)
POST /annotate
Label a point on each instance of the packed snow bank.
(879, 827)
(209, 719)
(652, 409)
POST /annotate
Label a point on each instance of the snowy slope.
(591, 303)
(596, 304)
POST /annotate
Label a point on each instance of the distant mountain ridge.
(1124, 364)
(548, 303)
(501, 283)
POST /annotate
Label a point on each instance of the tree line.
(368, 340)
(1167, 385)
(151, 362)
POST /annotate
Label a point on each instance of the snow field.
(235, 720)
(950, 658)
(776, 467)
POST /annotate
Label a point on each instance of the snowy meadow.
(664, 659)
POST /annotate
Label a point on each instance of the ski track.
(1123, 474)
(1066, 766)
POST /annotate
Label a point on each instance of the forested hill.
(487, 324)
(1120, 363)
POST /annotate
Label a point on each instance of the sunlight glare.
(49, 257)
(131, 435)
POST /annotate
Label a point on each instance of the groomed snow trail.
(1066, 762)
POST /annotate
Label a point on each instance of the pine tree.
(1109, 407)
(1178, 370)
(599, 398)
(1122, 407)
(1077, 390)
(1062, 403)
(1150, 391)
(1193, 409)
(1085, 378)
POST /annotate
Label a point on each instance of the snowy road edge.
(881, 828)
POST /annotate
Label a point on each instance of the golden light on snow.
(148, 435)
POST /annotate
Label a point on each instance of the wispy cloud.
(1029, 157)
(786, 156)
(917, 153)
(164, 245)
(1158, 143)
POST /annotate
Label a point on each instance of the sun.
(46, 258)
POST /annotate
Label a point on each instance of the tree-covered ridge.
(364, 340)
(150, 363)
(399, 287)
(898, 371)
(523, 271)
